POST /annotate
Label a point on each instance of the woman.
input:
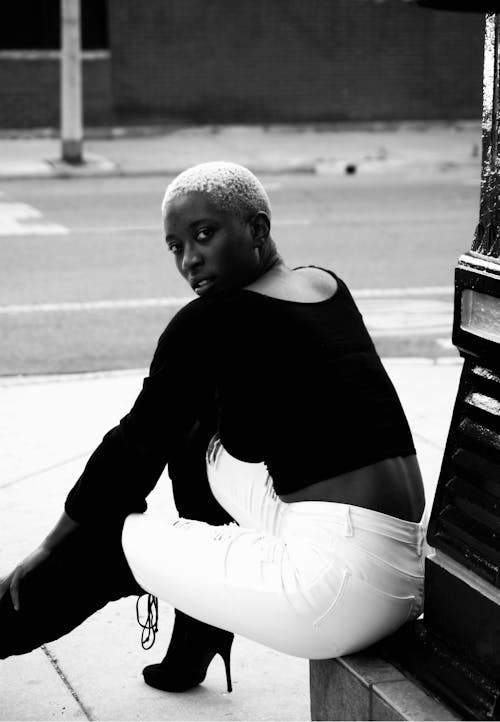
(312, 458)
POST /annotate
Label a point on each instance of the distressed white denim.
(312, 579)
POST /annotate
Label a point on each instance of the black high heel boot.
(192, 647)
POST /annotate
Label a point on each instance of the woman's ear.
(261, 227)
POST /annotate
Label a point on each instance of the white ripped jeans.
(313, 579)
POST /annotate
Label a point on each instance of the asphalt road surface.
(86, 283)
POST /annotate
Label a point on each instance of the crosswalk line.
(16, 220)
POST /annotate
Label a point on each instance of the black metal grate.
(466, 517)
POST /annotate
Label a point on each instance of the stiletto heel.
(226, 658)
(192, 647)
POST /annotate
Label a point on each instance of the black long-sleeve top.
(299, 386)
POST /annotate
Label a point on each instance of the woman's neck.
(270, 261)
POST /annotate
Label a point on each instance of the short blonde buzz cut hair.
(229, 186)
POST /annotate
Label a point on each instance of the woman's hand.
(64, 529)
(13, 581)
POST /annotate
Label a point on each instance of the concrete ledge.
(366, 687)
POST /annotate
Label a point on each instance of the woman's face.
(214, 250)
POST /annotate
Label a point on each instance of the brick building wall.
(287, 60)
(29, 90)
(263, 61)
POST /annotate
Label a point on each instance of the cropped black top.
(299, 386)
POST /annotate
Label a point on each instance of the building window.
(35, 25)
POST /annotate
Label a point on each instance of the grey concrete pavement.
(417, 147)
(48, 427)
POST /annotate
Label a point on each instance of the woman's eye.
(203, 234)
(174, 247)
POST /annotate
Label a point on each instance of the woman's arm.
(128, 462)
(62, 530)
(125, 467)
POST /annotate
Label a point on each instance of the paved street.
(87, 284)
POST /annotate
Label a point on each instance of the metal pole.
(71, 83)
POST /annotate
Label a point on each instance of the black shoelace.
(150, 626)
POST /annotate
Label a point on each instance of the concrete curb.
(322, 149)
(93, 167)
(102, 167)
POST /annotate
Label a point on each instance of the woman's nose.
(191, 259)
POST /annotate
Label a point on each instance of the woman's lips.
(202, 285)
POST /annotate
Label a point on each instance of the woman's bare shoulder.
(320, 279)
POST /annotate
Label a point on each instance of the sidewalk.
(48, 427)
(323, 149)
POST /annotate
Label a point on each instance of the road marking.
(156, 227)
(403, 291)
(404, 317)
(13, 217)
(175, 301)
(386, 312)
(106, 305)
(333, 220)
